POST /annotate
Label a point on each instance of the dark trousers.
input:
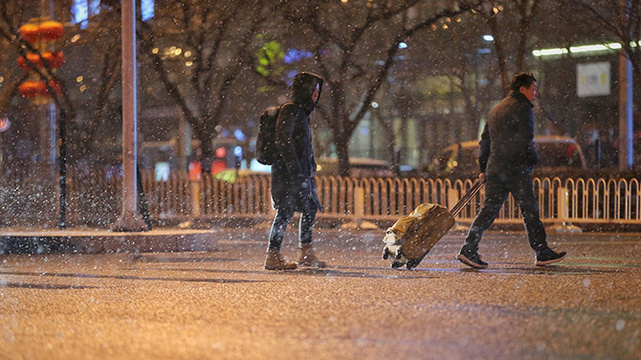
(497, 189)
(282, 219)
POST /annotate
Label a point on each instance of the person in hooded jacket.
(507, 155)
(293, 174)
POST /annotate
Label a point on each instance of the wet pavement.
(222, 305)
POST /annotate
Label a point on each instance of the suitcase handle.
(467, 197)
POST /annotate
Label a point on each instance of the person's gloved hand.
(304, 185)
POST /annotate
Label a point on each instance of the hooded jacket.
(507, 143)
(294, 169)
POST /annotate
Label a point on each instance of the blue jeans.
(279, 227)
(497, 189)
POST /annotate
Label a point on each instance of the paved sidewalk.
(223, 305)
(76, 240)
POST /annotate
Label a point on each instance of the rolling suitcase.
(409, 240)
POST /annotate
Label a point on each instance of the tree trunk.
(527, 9)
(395, 159)
(500, 54)
(341, 140)
(205, 134)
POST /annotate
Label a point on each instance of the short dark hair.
(522, 79)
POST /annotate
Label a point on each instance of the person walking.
(507, 155)
(293, 174)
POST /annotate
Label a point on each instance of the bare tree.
(198, 78)
(354, 47)
(11, 17)
(102, 75)
(101, 39)
(504, 19)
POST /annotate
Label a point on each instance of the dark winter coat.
(294, 170)
(507, 142)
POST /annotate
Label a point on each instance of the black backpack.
(266, 151)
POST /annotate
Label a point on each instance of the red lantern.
(22, 63)
(31, 89)
(51, 30)
(38, 89)
(33, 58)
(55, 86)
(30, 32)
(55, 59)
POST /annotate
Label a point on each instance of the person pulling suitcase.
(506, 158)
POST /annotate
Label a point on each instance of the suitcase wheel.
(386, 253)
(412, 263)
(396, 264)
(399, 254)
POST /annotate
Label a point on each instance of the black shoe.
(472, 259)
(548, 256)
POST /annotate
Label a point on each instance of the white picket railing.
(93, 198)
(573, 201)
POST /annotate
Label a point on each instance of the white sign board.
(593, 79)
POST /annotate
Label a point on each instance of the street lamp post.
(129, 219)
(625, 100)
(625, 112)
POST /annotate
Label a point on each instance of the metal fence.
(94, 198)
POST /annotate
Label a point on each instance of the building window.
(83, 9)
(147, 9)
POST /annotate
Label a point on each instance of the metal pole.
(129, 219)
(49, 144)
(182, 143)
(625, 113)
(625, 103)
(62, 125)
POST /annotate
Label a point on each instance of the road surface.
(222, 304)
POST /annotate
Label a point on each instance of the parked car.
(558, 156)
(359, 167)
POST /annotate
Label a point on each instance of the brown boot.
(308, 258)
(274, 261)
